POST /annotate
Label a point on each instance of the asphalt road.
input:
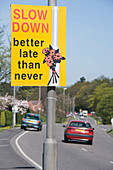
(9, 160)
(72, 155)
(27, 148)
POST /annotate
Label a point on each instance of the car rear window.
(31, 117)
(80, 124)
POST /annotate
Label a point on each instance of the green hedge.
(6, 118)
(9, 118)
(19, 118)
(2, 119)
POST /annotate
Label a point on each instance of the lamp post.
(64, 100)
(50, 144)
(39, 99)
(73, 104)
(14, 107)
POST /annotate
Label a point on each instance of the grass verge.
(5, 128)
(111, 132)
(8, 127)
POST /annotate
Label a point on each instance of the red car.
(79, 130)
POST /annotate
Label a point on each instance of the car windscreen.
(31, 117)
(80, 124)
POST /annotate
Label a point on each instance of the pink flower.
(49, 58)
(57, 57)
(52, 52)
(46, 58)
(45, 50)
(50, 62)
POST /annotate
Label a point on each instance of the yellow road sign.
(32, 54)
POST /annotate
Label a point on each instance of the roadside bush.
(28, 110)
(2, 120)
(18, 118)
(43, 118)
(9, 118)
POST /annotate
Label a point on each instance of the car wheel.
(21, 127)
(90, 142)
(24, 128)
(40, 127)
(65, 139)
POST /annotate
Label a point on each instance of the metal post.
(52, 2)
(73, 104)
(68, 103)
(50, 144)
(39, 99)
(14, 107)
(64, 100)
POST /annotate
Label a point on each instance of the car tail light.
(90, 131)
(23, 119)
(38, 121)
(68, 130)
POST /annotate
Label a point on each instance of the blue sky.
(89, 45)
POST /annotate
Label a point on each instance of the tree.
(4, 57)
(8, 102)
(105, 107)
(100, 90)
(5, 88)
(82, 79)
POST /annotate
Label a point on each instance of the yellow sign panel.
(34, 60)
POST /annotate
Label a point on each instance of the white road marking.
(19, 148)
(111, 162)
(103, 129)
(84, 149)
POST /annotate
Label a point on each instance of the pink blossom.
(46, 58)
(9, 100)
(49, 58)
(45, 50)
(52, 52)
(57, 57)
(50, 63)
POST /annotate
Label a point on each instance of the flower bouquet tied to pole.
(52, 57)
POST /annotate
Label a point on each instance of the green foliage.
(43, 118)
(111, 132)
(2, 118)
(29, 110)
(19, 118)
(4, 57)
(5, 88)
(82, 79)
(105, 107)
(30, 93)
(9, 118)
(92, 96)
(59, 108)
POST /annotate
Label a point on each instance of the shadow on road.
(18, 168)
(75, 142)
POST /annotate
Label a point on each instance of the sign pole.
(73, 104)
(50, 144)
(14, 107)
(39, 99)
